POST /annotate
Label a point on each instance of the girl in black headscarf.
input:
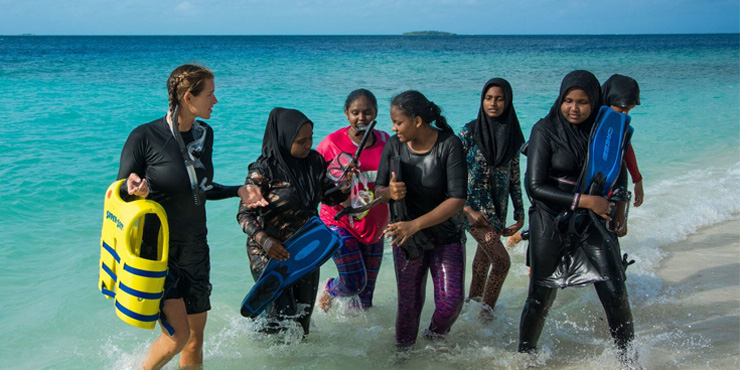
(622, 93)
(491, 143)
(292, 179)
(556, 154)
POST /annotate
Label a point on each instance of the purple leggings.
(446, 263)
(358, 265)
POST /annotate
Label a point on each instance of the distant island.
(429, 33)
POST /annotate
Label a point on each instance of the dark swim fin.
(310, 247)
(608, 143)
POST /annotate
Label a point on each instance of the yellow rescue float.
(135, 283)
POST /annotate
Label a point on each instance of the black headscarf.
(276, 162)
(574, 138)
(620, 91)
(498, 138)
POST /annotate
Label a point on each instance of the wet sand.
(704, 272)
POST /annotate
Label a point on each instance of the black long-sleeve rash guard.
(153, 153)
(547, 162)
(430, 178)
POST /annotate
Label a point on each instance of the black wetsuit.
(546, 162)
(152, 152)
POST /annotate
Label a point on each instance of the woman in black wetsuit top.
(153, 162)
(556, 154)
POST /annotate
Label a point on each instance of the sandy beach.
(703, 271)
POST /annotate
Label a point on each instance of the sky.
(369, 17)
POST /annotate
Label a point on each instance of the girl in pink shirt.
(358, 260)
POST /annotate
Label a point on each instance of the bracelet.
(576, 199)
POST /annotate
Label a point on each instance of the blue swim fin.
(310, 247)
(610, 139)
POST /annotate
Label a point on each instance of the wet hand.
(275, 249)
(397, 188)
(639, 194)
(601, 206)
(137, 186)
(400, 232)
(476, 219)
(621, 231)
(511, 230)
(251, 196)
(513, 240)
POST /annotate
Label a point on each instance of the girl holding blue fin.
(557, 152)
(291, 181)
(169, 160)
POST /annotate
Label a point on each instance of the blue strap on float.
(138, 293)
(108, 271)
(166, 325)
(107, 292)
(162, 319)
(112, 252)
(134, 315)
(145, 273)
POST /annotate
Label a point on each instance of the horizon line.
(366, 35)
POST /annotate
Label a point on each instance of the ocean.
(70, 102)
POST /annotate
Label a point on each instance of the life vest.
(135, 283)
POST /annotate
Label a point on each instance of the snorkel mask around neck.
(191, 155)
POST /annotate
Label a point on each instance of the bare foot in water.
(325, 300)
(486, 314)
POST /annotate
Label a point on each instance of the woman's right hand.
(397, 189)
(475, 218)
(639, 194)
(251, 196)
(600, 205)
(275, 249)
(137, 186)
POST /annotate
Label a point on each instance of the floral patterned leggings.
(490, 255)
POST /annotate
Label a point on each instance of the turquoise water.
(70, 102)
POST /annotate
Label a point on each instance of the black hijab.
(276, 162)
(574, 138)
(498, 138)
(620, 91)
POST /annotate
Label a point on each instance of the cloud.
(186, 8)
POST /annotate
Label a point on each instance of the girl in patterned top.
(291, 178)
(491, 143)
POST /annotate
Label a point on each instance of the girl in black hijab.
(556, 154)
(292, 179)
(622, 93)
(491, 144)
